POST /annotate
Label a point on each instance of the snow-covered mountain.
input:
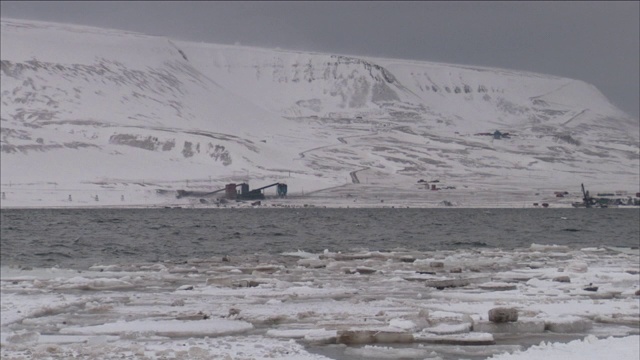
(88, 108)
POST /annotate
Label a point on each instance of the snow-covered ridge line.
(29, 24)
(109, 104)
(21, 23)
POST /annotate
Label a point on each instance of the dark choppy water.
(79, 238)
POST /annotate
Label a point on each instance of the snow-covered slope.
(88, 107)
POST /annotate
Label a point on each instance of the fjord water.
(80, 238)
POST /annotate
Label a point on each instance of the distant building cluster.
(496, 135)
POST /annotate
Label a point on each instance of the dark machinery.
(586, 198)
(185, 193)
(231, 192)
(256, 194)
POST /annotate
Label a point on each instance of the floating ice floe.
(449, 329)
(168, 328)
(277, 308)
(568, 324)
(471, 338)
(522, 326)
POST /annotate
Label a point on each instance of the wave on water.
(31, 236)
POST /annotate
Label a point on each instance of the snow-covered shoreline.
(345, 196)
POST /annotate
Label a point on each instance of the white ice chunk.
(568, 324)
(471, 338)
(312, 263)
(306, 292)
(578, 267)
(448, 329)
(522, 326)
(84, 283)
(588, 348)
(497, 286)
(70, 339)
(299, 333)
(23, 336)
(169, 328)
(547, 248)
(593, 249)
(302, 254)
(630, 320)
(623, 250)
(381, 352)
(403, 324)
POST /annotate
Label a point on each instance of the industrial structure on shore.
(231, 192)
(606, 199)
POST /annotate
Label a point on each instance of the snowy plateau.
(98, 117)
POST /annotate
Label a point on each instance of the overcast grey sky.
(597, 42)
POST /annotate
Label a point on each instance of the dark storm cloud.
(597, 42)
